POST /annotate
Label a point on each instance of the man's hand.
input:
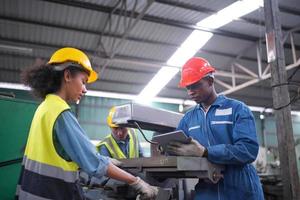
(193, 148)
(115, 162)
(145, 191)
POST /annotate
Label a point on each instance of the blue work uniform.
(71, 143)
(228, 132)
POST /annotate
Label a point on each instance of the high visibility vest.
(114, 149)
(46, 175)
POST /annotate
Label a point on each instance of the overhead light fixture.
(195, 41)
(94, 93)
(15, 86)
(230, 13)
(189, 47)
(15, 48)
(113, 95)
(163, 76)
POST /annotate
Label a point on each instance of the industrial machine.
(169, 173)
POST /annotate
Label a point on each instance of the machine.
(175, 176)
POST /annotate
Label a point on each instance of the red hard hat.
(194, 70)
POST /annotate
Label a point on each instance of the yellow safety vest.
(114, 149)
(46, 175)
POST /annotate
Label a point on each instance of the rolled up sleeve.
(78, 146)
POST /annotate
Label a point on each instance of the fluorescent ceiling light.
(15, 48)
(295, 113)
(230, 13)
(189, 47)
(163, 76)
(113, 95)
(195, 41)
(13, 86)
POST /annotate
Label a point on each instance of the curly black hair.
(44, 79)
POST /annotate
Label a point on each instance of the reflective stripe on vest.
(27, 195)
(44, 173)
(48, 170)
(114, 149)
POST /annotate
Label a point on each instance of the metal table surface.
(174, 167)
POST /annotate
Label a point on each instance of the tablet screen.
(164, 139)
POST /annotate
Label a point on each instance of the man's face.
(201, 90)
(120, 133)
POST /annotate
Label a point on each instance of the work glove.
(191, 148)
(145, 191)
(115, 162)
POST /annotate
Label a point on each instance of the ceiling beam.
(209, 11)
(159, 20)
(289, 10)
(125, 34)
(77, 29)
(154, 19)
(133, 83)
(134, 39)
(131, 60)
(121, 59)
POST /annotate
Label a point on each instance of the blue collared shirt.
(71, 143)
(228, 132)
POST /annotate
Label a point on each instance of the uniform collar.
(218, 102)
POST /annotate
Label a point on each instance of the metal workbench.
(174, 167)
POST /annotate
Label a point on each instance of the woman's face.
(75, 86)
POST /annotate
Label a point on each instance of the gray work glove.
(192, 148)
(115, 162)
(145, 191)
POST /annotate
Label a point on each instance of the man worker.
(121, 143)
(222, 130)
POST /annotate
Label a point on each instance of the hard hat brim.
(92, 77)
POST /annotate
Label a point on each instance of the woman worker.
(57, 146)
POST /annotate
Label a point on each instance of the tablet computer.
(164, 139)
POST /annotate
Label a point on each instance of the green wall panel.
(9, 178)
(15, 118)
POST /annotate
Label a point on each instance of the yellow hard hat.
(69, 54)
(110, 116)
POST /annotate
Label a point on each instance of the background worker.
(57, 146)
(222, 130)
(121, 143)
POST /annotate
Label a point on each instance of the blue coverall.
(228, 132)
